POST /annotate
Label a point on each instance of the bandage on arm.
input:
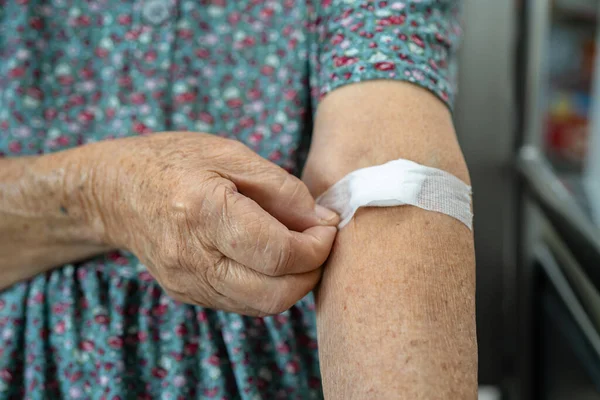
(396, 183)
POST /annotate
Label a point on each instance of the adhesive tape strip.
(396, 183)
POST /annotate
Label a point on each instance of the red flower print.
(82, 20)
(36, 23)
(357, 26)
(191, 348)
(87, 73)
(417, 40)
(234, 103)
(267, 70)
(181, 330)
(16, 72)
(214, 360)
(159, 372)
(384, 66)
(160, 309)
(115, 342)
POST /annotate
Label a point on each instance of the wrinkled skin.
(215, 224)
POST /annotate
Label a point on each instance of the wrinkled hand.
(215, 224)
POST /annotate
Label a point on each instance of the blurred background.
(528, 118)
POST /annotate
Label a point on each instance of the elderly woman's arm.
(396, 305)
(40, 225)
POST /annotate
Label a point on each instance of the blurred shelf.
(576, 10)
(571, 221)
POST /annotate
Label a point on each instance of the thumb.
(282, 195)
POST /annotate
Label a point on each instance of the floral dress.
(78, 71)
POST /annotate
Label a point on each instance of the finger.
(267, 294)
(217, 302)
(280, 193)
(252, 237)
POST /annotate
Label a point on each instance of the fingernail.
(325, 213)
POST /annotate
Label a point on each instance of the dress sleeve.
(411, 40)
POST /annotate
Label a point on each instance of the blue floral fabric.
(79, 71)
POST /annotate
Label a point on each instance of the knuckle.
(218, 274)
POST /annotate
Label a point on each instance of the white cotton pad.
(396, 183)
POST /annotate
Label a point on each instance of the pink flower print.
(124, 19)
(115, 342)
(212, 392)
(256, 137)
(101, 52)
(59, 328)
(179, 381)
(214, 360)
(15, 147)
(275, 156)
(138, 98)
(86, 345)
(185, 34)
(186, 97)
(283, 348)
(341, 61)
(5, 375)
(267, 70)
(292, 367)
(392, 20)
(102, 319)
(141, 128)
(337, 39)
(247, 122)
(234, 18)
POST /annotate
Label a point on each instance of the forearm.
(43, 221)
(395, 308)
